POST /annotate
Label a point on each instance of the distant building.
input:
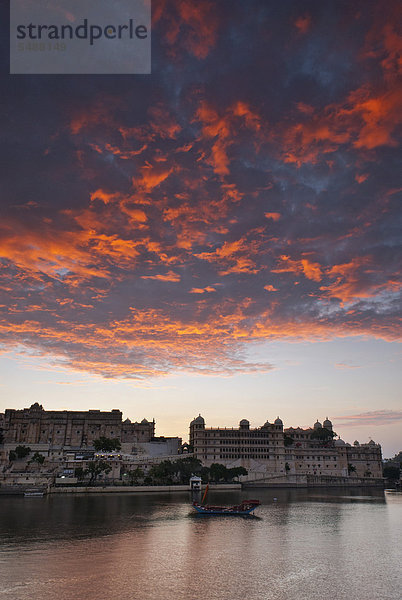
(308, 455)
(34, 425)
(240, 446)
(271, 450)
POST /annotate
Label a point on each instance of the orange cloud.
(224, 128)
(352, 283)
(311, 270)
(361, 177)
(193, 26)
(366, 119)
(275, 216)
(209, 288)
(169, 276)
(240, 255)
(151, 177)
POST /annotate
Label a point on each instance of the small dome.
(267, 424)
(327, 423)
(317, 425)
(244, 422)
(339, 442)
(144, 422)
(198, 421)
(356, 443)
(278, 421)
(371, 443)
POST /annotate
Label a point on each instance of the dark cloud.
(249, 189)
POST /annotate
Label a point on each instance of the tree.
(236, 472)
(95, 468)
(22, 451)
(287, 467)
(135, 475)
(204, 474)
(184, 468)
(322, 434)
(288, 441)
(218, 472)
(351, 469)
(80, 473)
(12, 456)
(178, 471)
(162, 473)
(104, 444)
(38, 458)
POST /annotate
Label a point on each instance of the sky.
(222, 236)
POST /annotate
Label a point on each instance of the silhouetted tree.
(96, 468)
(236, 472)
(22, 451)
(104, 444)
(38, 458)
(322, 434)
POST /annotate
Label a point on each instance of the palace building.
(65, 428)
(275, 451)
(242, 445)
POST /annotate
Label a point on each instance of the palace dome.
(339, 442)
(198, 421)
(278, 421)
(317, 425)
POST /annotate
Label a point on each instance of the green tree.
(22, 451)
(80, 473)
(236, 472)
(38, 458)
(135, 475)
(162, 473)
(287, 467)
(288, 441)
(184, 468)
(351, 469)
(104, 444)
(219, 472)
(12, 456)
(96, 468)
(322, 434)
(204, 474)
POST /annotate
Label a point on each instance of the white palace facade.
(275, 451)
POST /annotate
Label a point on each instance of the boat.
(34, 493)
(244, 508)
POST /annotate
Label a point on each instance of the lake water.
(303, 545)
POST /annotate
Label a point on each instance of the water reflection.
(305, 544)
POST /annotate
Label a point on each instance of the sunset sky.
(222, 236)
